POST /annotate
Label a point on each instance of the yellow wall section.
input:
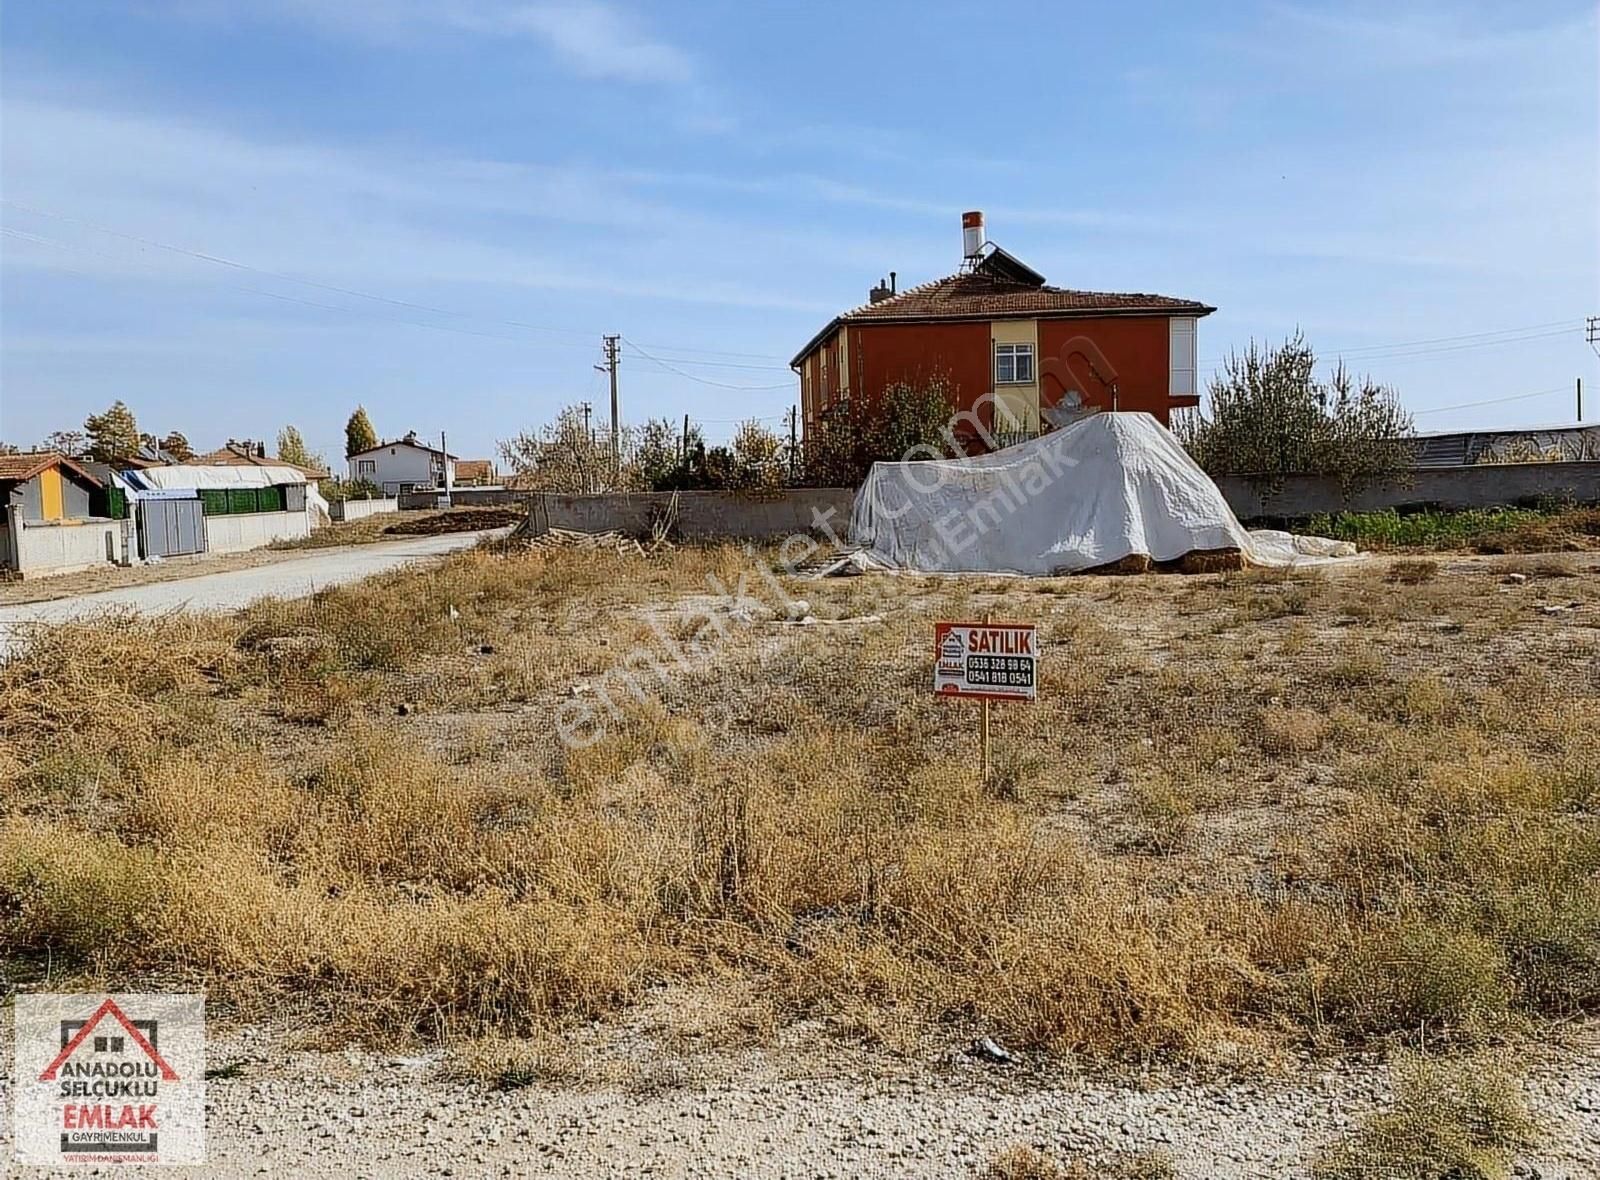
(50, 494)
(1018, 402)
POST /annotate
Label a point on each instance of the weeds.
(1451, 1120)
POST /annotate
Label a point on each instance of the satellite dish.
(1068, 410)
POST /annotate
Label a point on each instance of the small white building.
(405, 465)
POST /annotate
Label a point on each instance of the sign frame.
(951, 684)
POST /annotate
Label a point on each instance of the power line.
(234, 264)
(289, 298)
(702, 380)
(1421, 347)
(1493, 401)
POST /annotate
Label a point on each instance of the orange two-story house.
(1018, 354)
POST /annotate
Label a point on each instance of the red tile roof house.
(1019, 354)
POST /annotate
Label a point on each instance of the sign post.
(986, 661)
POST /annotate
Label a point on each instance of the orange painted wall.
(1084, 353)
(1131, 350)
(883, 354)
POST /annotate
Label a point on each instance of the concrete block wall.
(63, 547)
(463, 498)
(361, 509)
(1483, 485)
(236, 532)
(701, 515)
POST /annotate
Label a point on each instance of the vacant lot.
(1251, 815)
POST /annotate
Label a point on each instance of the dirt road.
(236, 588)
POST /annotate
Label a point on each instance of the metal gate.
(170, 528)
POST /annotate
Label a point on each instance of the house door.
(171, 528)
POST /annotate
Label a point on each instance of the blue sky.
(435, 207)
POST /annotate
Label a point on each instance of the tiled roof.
(27, 464)
(996, 292)
(474, 469)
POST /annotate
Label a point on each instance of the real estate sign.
(988, 661)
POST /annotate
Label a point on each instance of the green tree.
(757, 456)
(113, 434)
(358, 433)
(72, 443)
(562, 456)
(657, 456)
(1268, 415)
(176, 445)
(908, 418)
(292, 448)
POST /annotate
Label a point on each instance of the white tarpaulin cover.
(196, 476)
(1097, 491)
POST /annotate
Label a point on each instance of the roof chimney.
(879, 293)
(972, 238)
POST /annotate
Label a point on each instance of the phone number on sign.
(1007, 671)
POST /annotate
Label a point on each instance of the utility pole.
(612, 352)
(1580, 399)
(444, 470)
(793, 452)
(586, 448)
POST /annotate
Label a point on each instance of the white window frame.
(1182, 370)
(366, 467)
(1017, 358)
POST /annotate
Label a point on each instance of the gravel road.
(229, 591)
(836, 1112)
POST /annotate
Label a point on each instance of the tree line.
(113, 436)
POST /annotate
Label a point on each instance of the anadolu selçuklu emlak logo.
(109, 1079)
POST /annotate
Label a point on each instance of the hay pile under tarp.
(1105, 494)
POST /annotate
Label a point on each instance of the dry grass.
(1451, 1120)
(1413, 572)
(1247, 810)
(1021, 1161)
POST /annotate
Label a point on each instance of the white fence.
(236, 532)
(37, 548)
(360, 509)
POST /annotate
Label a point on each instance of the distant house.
(404, 465)
(55, 515)
(474, 473)
(1019, 355)
(247, 453)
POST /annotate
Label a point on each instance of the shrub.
(1413, 573)
(1266, 414)
(1451, 1120)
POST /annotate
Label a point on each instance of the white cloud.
(598, 41)
(592, 38)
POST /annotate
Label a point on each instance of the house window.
(1013, 364)
(1182, 369)
(366, 467)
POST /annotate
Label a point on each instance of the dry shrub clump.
(1413, 572)
(1451, 1120)
(1021, 1161)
